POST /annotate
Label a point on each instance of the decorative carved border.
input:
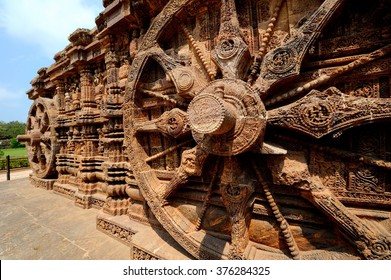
(97, 202)
(114, 230)
(64, 190)
(137, 253)
(46, 184)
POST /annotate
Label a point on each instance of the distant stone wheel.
(40, 138)
(195, 119)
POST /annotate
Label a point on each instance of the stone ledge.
(145, 242)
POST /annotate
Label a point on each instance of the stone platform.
(37, 224)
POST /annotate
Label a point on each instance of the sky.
(31, 33)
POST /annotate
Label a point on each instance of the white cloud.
(47, 23)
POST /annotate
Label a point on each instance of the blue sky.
(31, 33)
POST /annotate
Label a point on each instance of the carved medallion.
(282, 60)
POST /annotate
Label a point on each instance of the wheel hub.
(227, 117)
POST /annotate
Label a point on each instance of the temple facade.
(224, 129)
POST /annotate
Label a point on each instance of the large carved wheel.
(40, 138)
(202, 96)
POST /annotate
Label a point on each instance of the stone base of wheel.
(46, 184)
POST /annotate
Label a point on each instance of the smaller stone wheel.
(40, 138)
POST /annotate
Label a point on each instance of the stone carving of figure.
(99, 85)
(134, 45)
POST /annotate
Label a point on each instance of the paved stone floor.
(38, 224)
(22, 173)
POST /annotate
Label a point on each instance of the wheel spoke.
(167, 151)
(192, 163)
(254, 69)
(198, 52)
(366, 238)
(331, 74)
(187, 79)
(285, 62)
(232, 54)
(330, 111)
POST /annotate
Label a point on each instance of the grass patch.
(17, 152)
(18, 158)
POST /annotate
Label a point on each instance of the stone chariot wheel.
(40, 138)
(219, 126)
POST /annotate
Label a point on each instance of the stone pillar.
(111, 60)
(59, 96)
(87, 89)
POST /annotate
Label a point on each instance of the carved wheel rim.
(208, 115)
(40, 138)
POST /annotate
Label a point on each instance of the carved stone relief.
(241, 128)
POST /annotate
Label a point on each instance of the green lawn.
(18, 152)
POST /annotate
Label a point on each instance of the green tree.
(3, 130)
(11, 129)
(15, 144)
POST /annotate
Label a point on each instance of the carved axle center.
(33, 138)
(210, 114)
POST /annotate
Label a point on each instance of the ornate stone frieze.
(140, 254)
(117, 231)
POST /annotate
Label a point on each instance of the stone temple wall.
(251, 129)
